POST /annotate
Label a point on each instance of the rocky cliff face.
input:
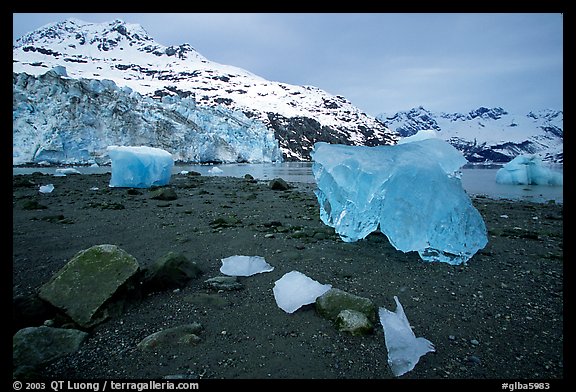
(124, 53)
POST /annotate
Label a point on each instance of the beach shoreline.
(499, 316)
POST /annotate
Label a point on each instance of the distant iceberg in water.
(411, 192)
(528, 170)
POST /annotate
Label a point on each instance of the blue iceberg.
(528, 170)
(139, 166)
(411, 192)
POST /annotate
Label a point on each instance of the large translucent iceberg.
(528, 170)
(411, 191)
(139, 166)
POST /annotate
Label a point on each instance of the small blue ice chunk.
(139, 166)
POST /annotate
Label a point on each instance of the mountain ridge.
(488, 134)
(126, 54)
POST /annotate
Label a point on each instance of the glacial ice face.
(411, 191)
(63, 120)
(139, 166)
(404, 348)
(528, 170)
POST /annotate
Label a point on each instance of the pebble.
(451, 337)
(474, 342)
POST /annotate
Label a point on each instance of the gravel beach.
(499, 316)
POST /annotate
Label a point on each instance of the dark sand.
(500, 316)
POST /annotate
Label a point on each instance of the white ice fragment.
(46, 188)
(94, 188)
(503, 216)
(404, 348)
(183, 172)
(244, 265)
(295, 289)
(139, 166)
(215, 170)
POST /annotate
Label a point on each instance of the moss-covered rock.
(353, 322)
(332, 302)
(36, 346)
(88, 281)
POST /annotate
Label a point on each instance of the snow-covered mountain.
(125, 54)
(488, 134)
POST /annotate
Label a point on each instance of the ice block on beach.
(139, 166)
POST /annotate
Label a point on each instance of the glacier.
(62, 120)
(412, 192)
(528, 170)
(139, 166)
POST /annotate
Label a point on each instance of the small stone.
(186, 334)
(451, 337)
(278, 184)
(474, 342)
(354, 322)
(223, 283)
(165, 193)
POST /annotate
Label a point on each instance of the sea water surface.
(476, 179)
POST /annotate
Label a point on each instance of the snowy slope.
(127, 55)
(488, 134)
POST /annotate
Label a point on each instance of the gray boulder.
(278, 184)
(172, 270)
(183, 334)
(36, 346)
(88, 281)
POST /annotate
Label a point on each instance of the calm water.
(477, 180)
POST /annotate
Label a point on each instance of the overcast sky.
(382, 63)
